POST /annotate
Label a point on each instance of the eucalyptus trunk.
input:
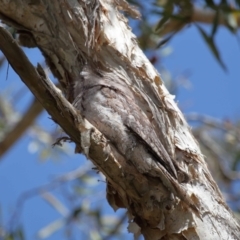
(120, 115)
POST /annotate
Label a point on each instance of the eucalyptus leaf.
(238, 2)
(161, 23)
(215, 23)
(212, 46)
(210, 3)
(167, 39)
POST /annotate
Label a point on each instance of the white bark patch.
(135, 229)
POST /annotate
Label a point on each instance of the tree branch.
(55, 183)
(199, 15)
(27, 119)
(62, 111)
(116, 88)
(47, 94)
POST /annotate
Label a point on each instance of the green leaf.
(167, 13)
(76, 212)
(211, 44)
(19, 234)
(215, 23)
(236, 161)
(238, 2)
(16, 235)
(210, 3)
(161, 43)
(9, 237)
(223, 2)
(161, 23)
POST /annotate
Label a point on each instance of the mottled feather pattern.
(112, 108)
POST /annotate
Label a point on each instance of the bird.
(123, 117)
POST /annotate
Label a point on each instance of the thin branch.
(55, 203)
(215, 123)
(198, 15)
(211, 145)
(55, 183)
(219, 154)
(27, 120)
(45, 91)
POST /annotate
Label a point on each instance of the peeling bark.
(136, 134)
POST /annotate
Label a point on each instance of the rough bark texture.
(138, 138)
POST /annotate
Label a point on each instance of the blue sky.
(214, 93)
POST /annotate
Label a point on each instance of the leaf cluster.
(168, 17)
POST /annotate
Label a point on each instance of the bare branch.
(214, 123)
(55, 203)
(55, 183)
(27, 120)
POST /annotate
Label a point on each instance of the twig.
(70, 176)
(218, 152)
(215, 123)
(55, 203)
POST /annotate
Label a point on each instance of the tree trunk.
(130, 126)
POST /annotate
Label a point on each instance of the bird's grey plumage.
(114, 109)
